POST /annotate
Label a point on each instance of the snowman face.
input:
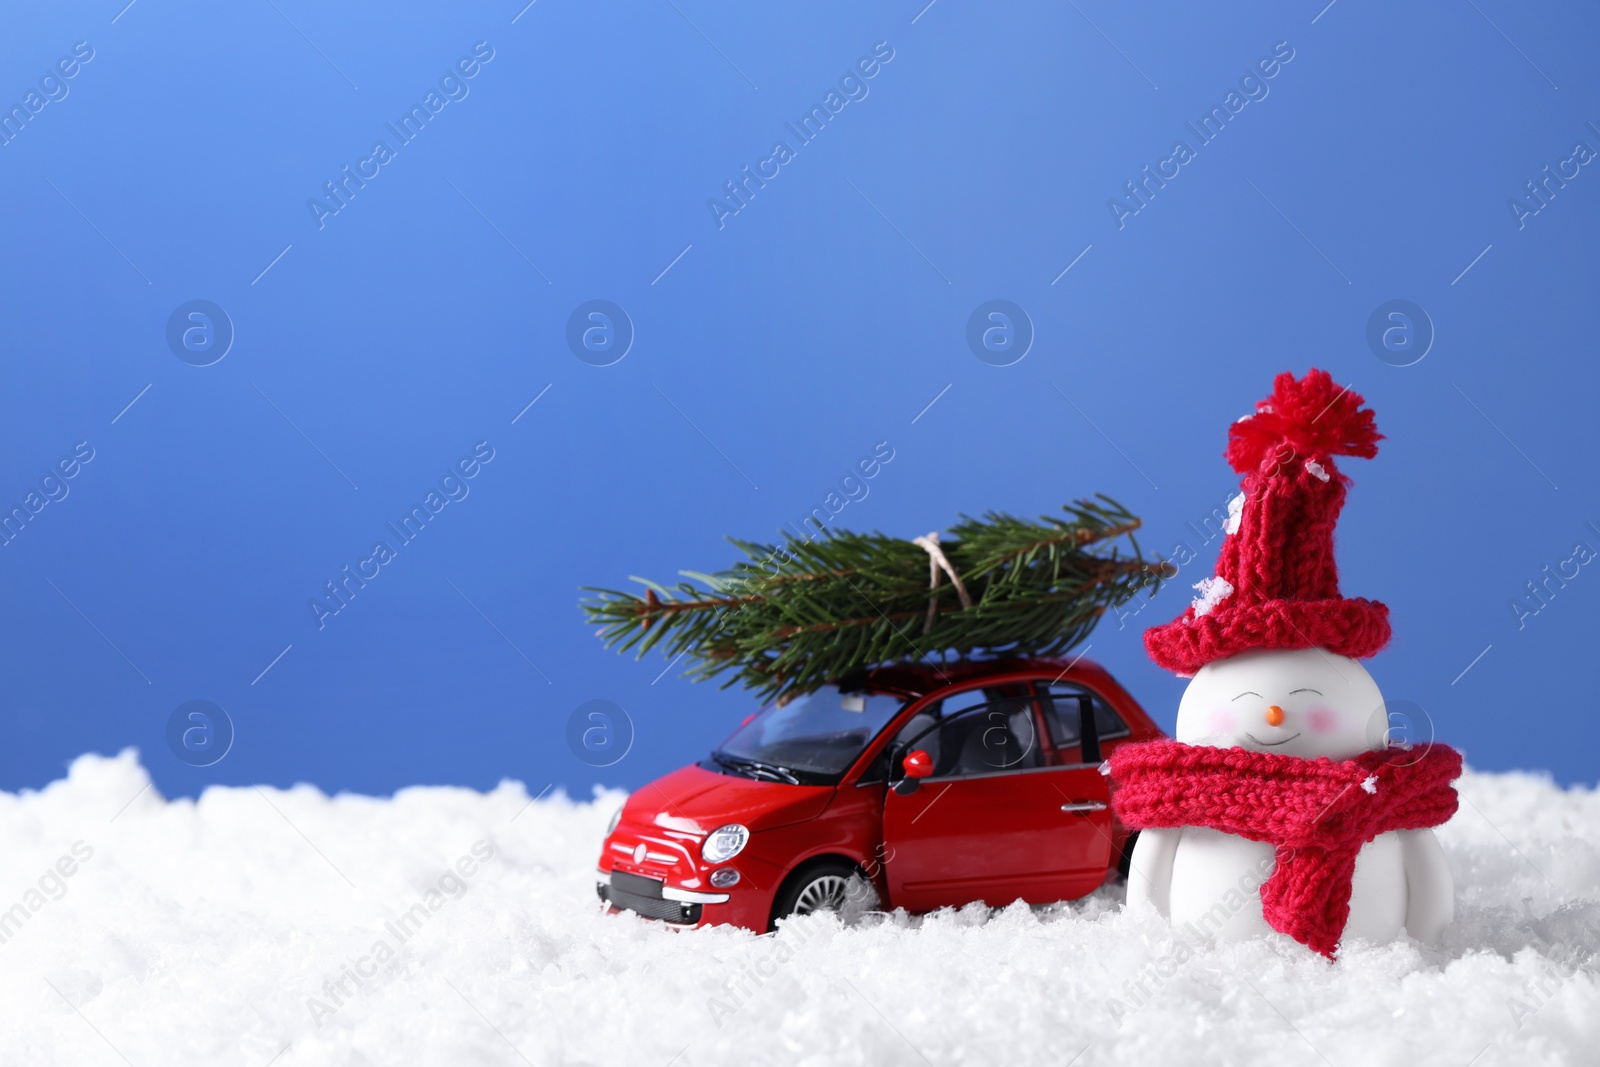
(1305, 703)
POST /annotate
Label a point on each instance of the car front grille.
(665, 859)
(643, 895)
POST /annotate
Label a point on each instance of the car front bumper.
(653, 898)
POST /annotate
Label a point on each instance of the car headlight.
(725, 843)
(611, 827)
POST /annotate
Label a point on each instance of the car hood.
(696, 800)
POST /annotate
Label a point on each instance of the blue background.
(774, 353)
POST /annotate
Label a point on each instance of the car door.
(994, 821)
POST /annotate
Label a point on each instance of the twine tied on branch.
(936, 563)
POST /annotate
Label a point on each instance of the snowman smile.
(1273, 744)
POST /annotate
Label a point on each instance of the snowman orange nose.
(1274, 715)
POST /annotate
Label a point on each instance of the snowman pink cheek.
(1322, 720)
(1221, 721)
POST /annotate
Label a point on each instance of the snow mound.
(464, 929)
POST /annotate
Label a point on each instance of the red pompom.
(1312, 416)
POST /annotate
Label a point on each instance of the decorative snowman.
(1280, 805)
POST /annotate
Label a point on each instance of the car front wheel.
(833, 886)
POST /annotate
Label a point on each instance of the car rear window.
(1061, 713)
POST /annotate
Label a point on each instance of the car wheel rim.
(826, 893)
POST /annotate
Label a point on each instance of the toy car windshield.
(813, 739)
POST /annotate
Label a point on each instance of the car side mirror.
(915, 766)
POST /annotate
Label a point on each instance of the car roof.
(924, 677)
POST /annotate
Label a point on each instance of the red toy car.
(915, 787)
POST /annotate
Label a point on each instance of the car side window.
(1061, 714)
(988, 738)
(917, 726)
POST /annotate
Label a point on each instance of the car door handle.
(1080, 806)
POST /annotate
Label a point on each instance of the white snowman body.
(1306, 703)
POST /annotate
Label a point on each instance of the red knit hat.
(1276, 585)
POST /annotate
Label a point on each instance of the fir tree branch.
(789, 618)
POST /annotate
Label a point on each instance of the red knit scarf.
(1316, 813)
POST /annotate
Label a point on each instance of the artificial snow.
(1235, 514)
(1213, 591)
(221, 931)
